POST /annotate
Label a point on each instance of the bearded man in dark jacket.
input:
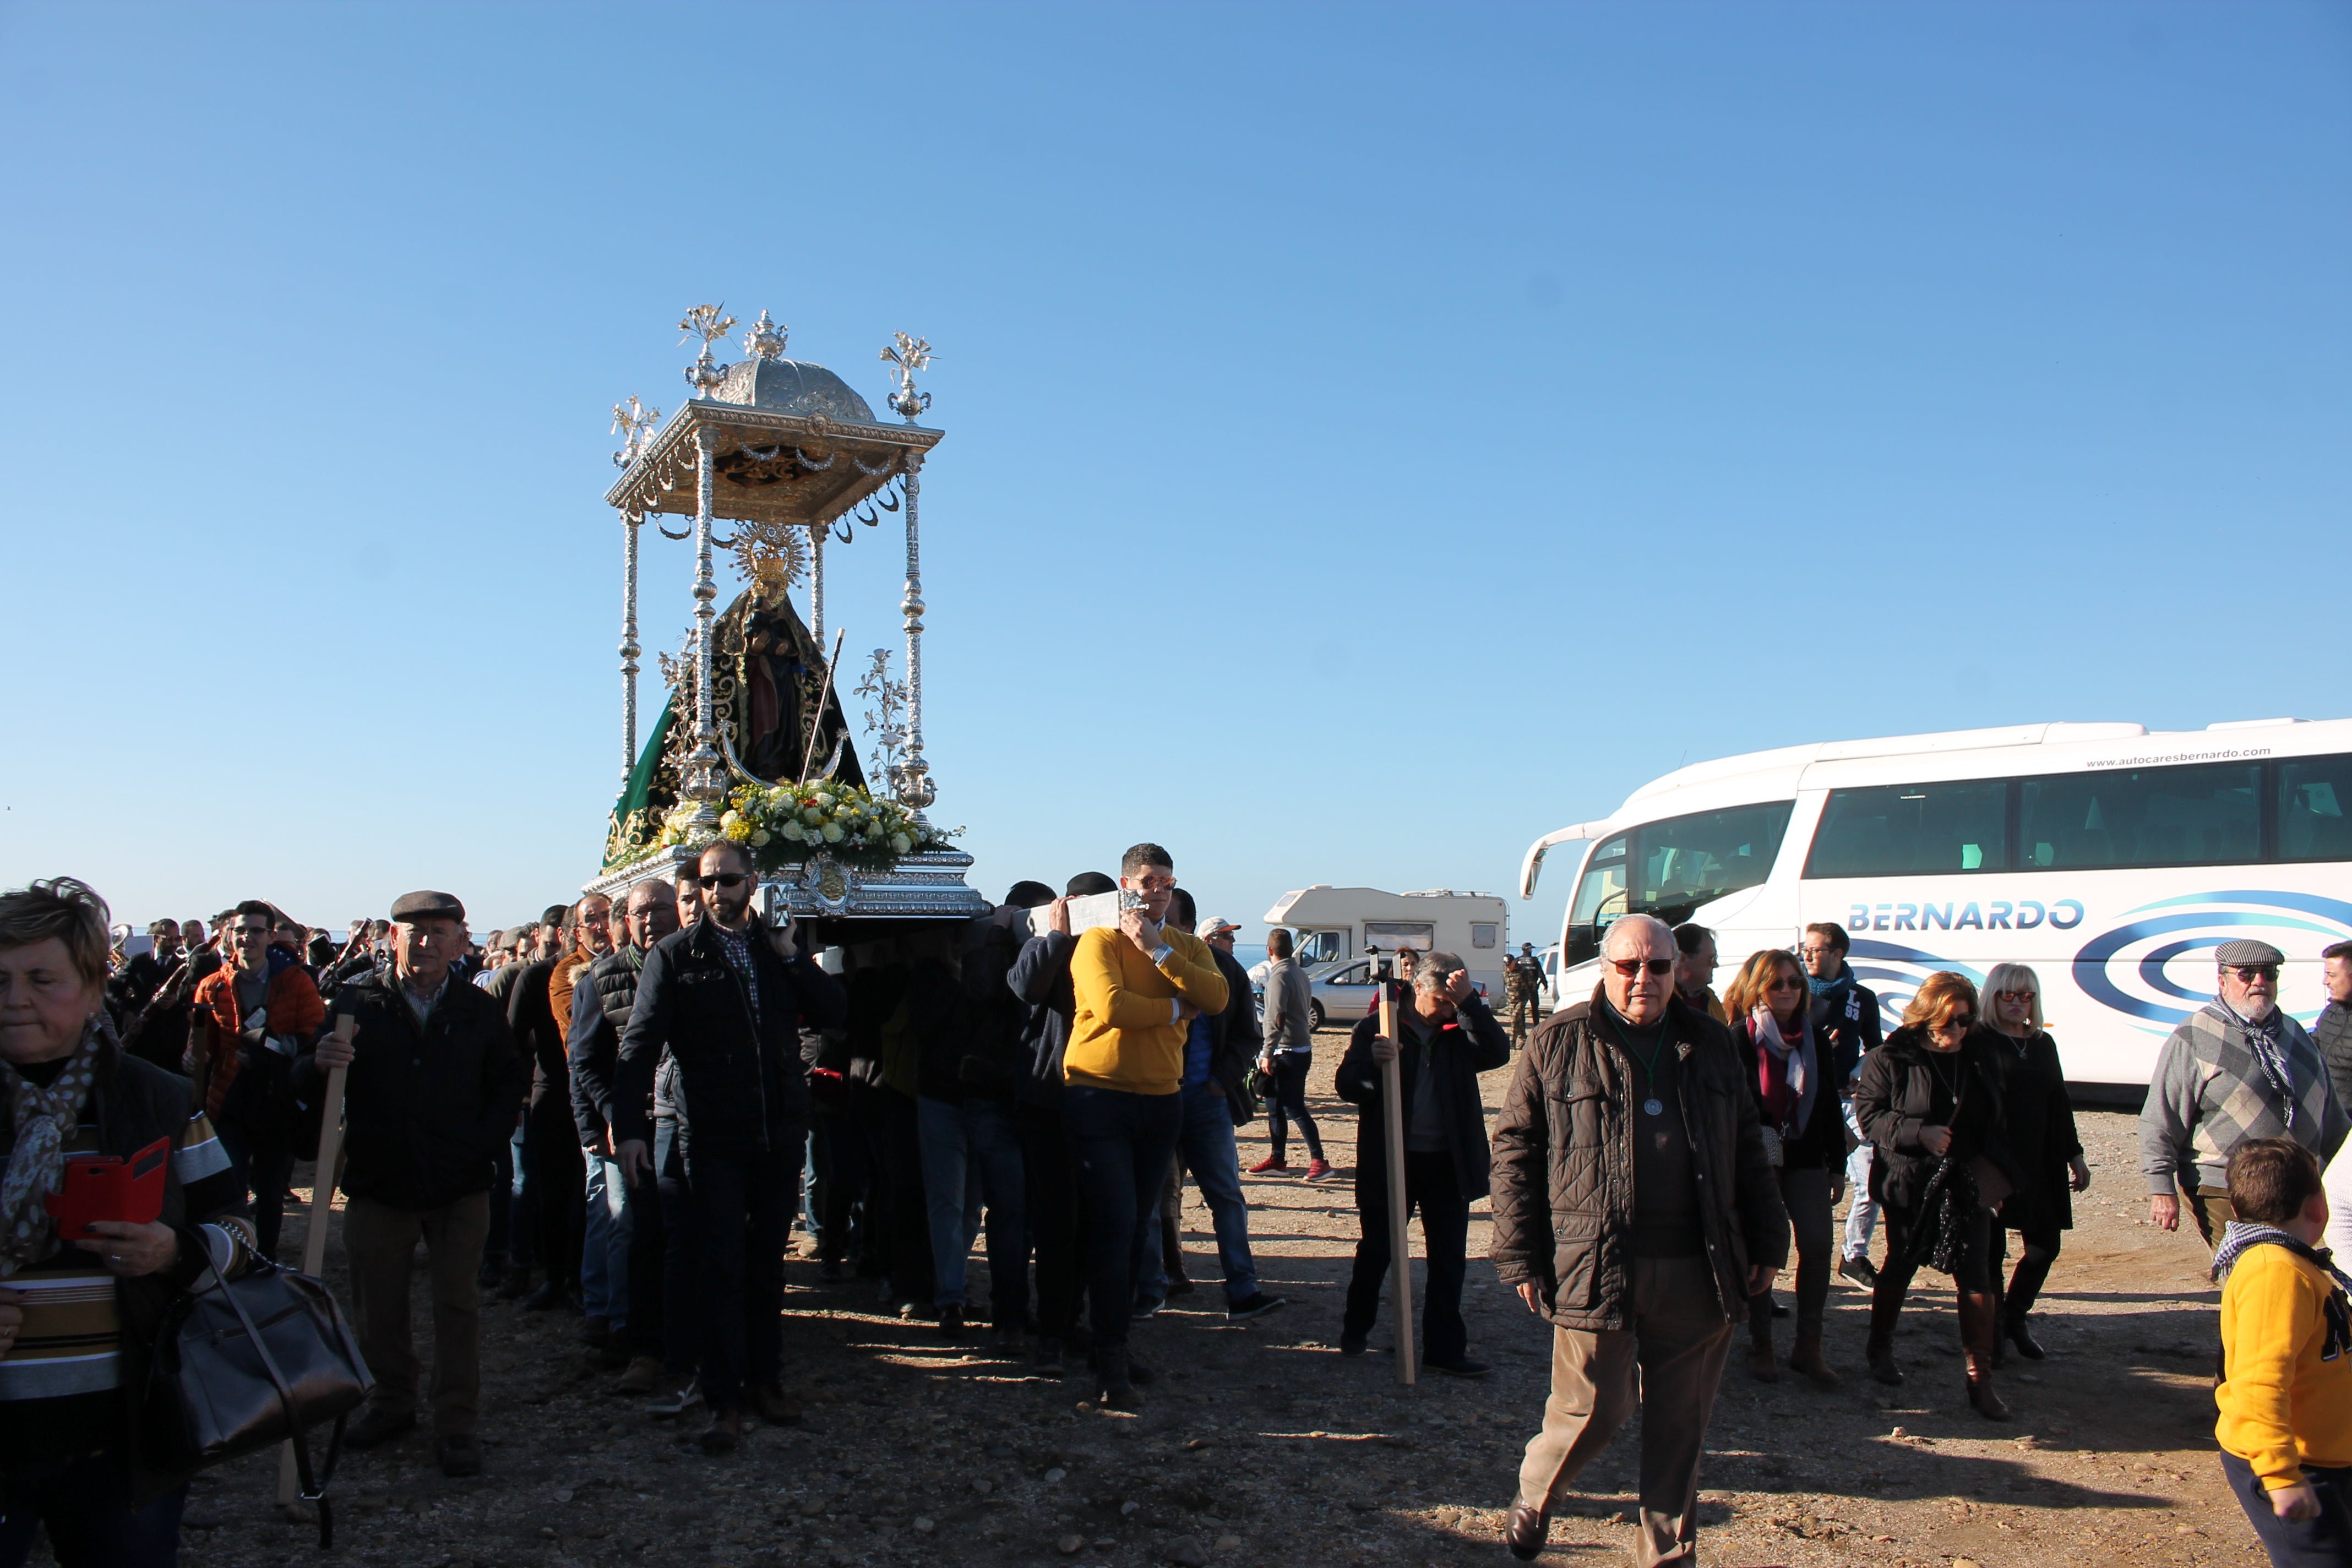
(1635, 1207)
(727, 997)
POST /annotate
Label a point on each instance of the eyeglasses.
(2017, 995)
(1630, 967)
(2248, 973)
(727, 880)
(1786, 983)
(1958, 1024)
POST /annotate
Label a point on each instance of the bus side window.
(2313, 795)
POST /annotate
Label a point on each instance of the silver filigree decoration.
(886, 718)
(766, 338)
(907, 356)
(708, 323)
(634, 424)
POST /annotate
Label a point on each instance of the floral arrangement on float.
(790, 825)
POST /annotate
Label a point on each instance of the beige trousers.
(379, 1241)
(1677, 1345)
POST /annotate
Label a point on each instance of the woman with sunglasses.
(2042, 1137)
(1804, 1133)
(1930, 1101)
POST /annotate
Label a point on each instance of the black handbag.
(253, 1362)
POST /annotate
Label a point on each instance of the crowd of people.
(623, 1109)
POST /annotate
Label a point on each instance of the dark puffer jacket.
(423, 1110)
(739, 1080)
(600, 1011)
(1895, 1101)
(1564, 1167)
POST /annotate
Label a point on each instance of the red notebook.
(108, 1187)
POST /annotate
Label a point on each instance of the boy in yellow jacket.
(1138, 985)
(2286, 1394)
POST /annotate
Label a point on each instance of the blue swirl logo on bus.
(2139, 953)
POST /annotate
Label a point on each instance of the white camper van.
(2112, 860)
(1332, 924)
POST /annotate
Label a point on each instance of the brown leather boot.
(1806, 1360)
(1978, 1315)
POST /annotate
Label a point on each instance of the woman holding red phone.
(76, 1316)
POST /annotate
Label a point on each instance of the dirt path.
(1262, 1444)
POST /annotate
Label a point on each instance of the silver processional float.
(752, 743)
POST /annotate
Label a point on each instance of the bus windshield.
(1669, 868)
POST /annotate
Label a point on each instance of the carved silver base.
(919, 887)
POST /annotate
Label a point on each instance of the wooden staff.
(1400, 1229)
(322, 1206)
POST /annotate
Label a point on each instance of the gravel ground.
(1262, 1444)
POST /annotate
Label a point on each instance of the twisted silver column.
(630, 522)
(915, 789)
(702, 780)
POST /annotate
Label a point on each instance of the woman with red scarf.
(1787, 1072)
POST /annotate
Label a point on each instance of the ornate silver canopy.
(775, 444)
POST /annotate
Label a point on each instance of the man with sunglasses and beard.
(1635, 1206)
(727, 997)
(2238, 1067)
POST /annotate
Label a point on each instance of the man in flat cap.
(434, 1088)
(2238, 1067)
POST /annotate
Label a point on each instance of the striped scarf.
(42, 1120)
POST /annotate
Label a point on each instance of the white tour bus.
(2112, 860)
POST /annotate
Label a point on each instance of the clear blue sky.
(1375, 435)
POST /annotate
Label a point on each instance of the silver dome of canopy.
(791, 386)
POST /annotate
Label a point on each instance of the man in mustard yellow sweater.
(2286, 1394)
(1137, 987)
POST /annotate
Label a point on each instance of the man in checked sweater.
(2238, 1067)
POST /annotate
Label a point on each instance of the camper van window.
(1482, 934)
(2314, 796)
(1912, 830)
(1322, 946)
(2149, 817)
(1389, 935)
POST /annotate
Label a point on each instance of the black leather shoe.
(1353, 1345)
(546, 1298)
(1460, 1366)
(1525, 1532)
(377, 1425)
(2018, 1335)
(459, 1457)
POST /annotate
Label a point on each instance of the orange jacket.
(292, 1003)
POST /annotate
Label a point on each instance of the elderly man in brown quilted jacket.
(1635, 1207)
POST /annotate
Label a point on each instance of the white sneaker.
(676, 1398)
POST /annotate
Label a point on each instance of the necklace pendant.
(1653, 1106)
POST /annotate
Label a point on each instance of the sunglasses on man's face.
(1630, 967)
(2248, 973)
(726, 879)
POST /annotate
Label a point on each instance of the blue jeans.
(1120, 1144)
(1862, 1215)
(681, 1263)
(741, 1202)
(604, 1241)
(1206, 1143)
(85, 1505)
(1289, 1104)
(971, 1153)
